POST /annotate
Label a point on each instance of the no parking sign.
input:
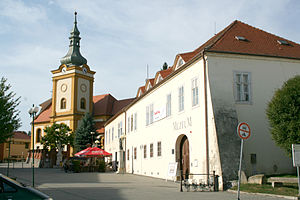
(244, 130)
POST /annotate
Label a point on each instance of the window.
(106, 137)
(181, 98)
(145, 151)
(135, 121)
(26, 145)
(149, 114)
(158, 148)
(119, 130)
(82, 103)
(131, 123)
(8, 188)
(109, 136)
(242, 86)
(195, 92)
(63, 103)
(128, 124)
(168, 107)
(135, 153)
(38, 135)
(112, 133)
(151, 150)
(127, 154)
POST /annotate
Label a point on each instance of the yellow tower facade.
(72, 85)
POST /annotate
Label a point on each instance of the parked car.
(11, 189)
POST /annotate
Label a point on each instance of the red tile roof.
(118, 105)
(21, 135)
(104, 104)
(258, 42)
(100, 127)
(166, 72)
(45, 113)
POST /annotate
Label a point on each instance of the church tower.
(72, 85)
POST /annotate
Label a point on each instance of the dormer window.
(241, 38)
(283, 42)
(63, 103)
(179, 63)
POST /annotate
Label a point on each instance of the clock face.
(84, 70)
(64, 69)
(83, 87)
(63, 87)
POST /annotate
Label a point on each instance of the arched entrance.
(183, 154)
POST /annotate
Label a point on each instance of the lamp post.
(92, 133)
(32, 112)
(97, 143)
(8, 157)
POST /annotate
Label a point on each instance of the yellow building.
(19, 146)
(72, 94)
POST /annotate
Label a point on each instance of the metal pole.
(298, 181)
(240, 169)
(33, 149)
(8, 156)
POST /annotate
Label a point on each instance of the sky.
(119, 38)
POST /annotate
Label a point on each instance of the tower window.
(63, 103)
(38, 135)
(82, 103)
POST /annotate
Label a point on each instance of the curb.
(265, 194)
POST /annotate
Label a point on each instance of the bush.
(102, 166)
(76, 165)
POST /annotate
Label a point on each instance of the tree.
(283, 112)
(165, 66)
(57, 136)
(9, 115)
(83, 132)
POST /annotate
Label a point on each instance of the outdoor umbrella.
(95, 151)
(80, 153)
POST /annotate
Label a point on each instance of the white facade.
(190, 114)
(114, 132)
(224, 111)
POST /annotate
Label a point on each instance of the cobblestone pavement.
(60, 185)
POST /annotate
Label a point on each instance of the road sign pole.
(298, 181)
(240, 169)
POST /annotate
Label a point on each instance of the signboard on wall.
(296, 155)
(159, 114)
(172, 169)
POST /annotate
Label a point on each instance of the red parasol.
(80, 153)
(93, 152)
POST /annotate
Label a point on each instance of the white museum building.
(189, 112)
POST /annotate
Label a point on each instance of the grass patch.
(283, 175)
(286, 189)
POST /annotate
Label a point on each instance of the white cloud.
(19, 11)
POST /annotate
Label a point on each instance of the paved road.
(105, 186)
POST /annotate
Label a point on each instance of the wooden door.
(185, 157)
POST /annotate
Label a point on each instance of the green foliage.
(57, 134)
(76, 166)
(165, 66)
(9, 115)
(102, 166)
(283, 112)
(83, 132)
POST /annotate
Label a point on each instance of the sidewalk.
(94, 186)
